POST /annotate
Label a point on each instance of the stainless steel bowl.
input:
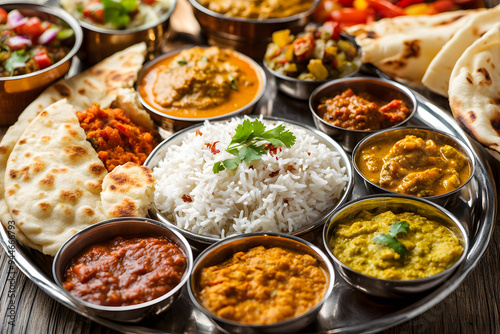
(200, 241)
(249, 36)
(399, 133)
(107, 230)
(174, 123)
(382, 89)
(17, 92)
(376, 204)
(99, 43)
(221, 251)
(302, 89)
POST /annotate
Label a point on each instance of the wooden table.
(471, 308)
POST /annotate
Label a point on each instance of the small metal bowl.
(99, 43)
(172, 123)
(382, 89)
(223, 250)
(199, 241)
(105, 231)
(249, 36)
(399, 133)
(17, 92)
(302, 89)
(376, 204)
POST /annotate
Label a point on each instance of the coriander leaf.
(118, 12)
(182, 62)
(231, 163)
(399, 227)
(280, 135)
(16, 59)
(258, 128)
(250, 153)
(218, 167)
(242, 132)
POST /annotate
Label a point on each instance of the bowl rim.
(145, 68)
(319, 82)
(381, 197)
(468, 151)
(373, 80)
(207, 240)
(91, 27)
(328, 266)
(61, 15)
(135, 307)
(285, 19)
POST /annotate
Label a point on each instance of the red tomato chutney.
(125, 271)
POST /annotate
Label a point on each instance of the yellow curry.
(431, 247)
(259, 9)
(414, 166)
(200, 83)
(262, 285)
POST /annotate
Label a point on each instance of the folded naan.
(437, 75)
(403, 47)
(474, 91)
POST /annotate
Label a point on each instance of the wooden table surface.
(472, 308)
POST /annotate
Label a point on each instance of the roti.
(403, 47)
(474, 91)
(437, 75)
(54, 179)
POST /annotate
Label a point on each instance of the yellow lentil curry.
(431, 247)
(414, 166)
(260, 9)
(200, 83)
(262, 285)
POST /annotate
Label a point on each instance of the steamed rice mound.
(278, 193)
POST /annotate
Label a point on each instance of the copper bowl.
(99, 43)
(17, 92)
(249, 36)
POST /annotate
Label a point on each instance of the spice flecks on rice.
(281, 192)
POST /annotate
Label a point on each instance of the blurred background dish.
(188, 86)
(52, 47)
(109, 27)
(318, 54)
(304, 276)
(420, 269)
(349, 109)
(418, 162)
(167, 247)
(247, 35)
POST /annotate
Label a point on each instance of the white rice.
(247, 199)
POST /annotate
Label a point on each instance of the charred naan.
(474, 91)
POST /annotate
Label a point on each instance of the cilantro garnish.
(182, 62)
(234, 82)
(391, 240)
(244, 143)
(17, 59)
(118, 12)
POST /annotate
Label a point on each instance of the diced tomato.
(333, 28)
(96, 15)
(3, 16)
(351, 16)
(303, 48)
(406, 3)
(32, 28)
(385, 8)
(346, 3)
(42, 60)
(149, 2)
(441, 6)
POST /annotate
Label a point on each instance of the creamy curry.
(260, 9)
(200, 83)
(414, 166)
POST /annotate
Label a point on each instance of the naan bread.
(54, 179)
(101, 83)
(128, 191)
(403, 47)
(437, 75)
(474, 91)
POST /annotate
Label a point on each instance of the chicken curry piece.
(414, 166)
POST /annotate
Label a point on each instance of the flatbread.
(54, 179)
(403, 47)
(100, 83)
(128, 191)
(437, 75)
(474, 91)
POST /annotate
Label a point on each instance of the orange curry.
(115, 137)
(262, 285)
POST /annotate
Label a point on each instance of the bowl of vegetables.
(301, 63)
(37, 44)
(110, 26)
